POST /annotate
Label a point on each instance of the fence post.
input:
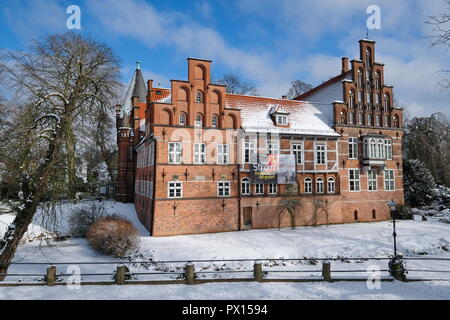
(257, 271)
(190, 273)
(51, 276)
(120, 275)
(326, 270)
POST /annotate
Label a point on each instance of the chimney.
(344, 65)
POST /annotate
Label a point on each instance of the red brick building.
(185, 152)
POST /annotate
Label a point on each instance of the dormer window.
(282, 119)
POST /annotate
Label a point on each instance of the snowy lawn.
(251, 290)
(360, 240)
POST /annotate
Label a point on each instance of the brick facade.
(182, 158)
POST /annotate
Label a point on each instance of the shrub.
(403, 212)
(113, 236)
(82, 218)
(418, 183)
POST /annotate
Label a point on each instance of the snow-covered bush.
(83, 217)
(418, 183)
(113, 235)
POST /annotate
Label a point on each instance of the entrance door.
(247, 212)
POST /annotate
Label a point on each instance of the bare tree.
(289, 205)
(64, 79)
(297, 88)
(440, 36)
(320, 205)
(237, 85)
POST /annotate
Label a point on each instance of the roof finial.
(138, 64)
(367, 33)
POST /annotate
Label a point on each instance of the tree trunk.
(292, 214)
(71, 163)
(32, 191)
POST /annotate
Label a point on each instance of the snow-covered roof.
(305, 118)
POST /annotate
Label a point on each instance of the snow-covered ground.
(359, 240)
(243, 290)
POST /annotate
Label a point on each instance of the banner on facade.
(286, 169)
(273, 168)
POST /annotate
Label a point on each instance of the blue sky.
(269, 43)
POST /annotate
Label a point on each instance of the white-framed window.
(359, 78)
(199, 97)
(214, 121)
(273, 148)
(388, 149)
(223, 153)
(353, 178)
(331, 186)
(259, 188)
(175, 152)
(359, 95)
(282, 119)
(320, 154)
(174, 189)
(249, 151)
(199, 153)
(223, 188)
(367, 96)
(377, 120)
(319, 185)
(353, 148)
(369, 119)
(389, 181)
(351, 99)
(372, 180)
(245, 186)
(308, 185)
(350, 118)
(198, 120)
(297, 149)
(360, 118)
(273, 188)
(182, 119)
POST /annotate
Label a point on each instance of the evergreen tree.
(418, 183)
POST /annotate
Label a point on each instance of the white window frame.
(199, 96)
(214, 121)
(282, 119)
(176, 186)
(389, 182)
(273, 148)
(355, 180)
(245, 186)
(319, 185)
(199, 153)
(182, 119)
(223, 153)
(223, 186)
(353, 148)
(198, 123)
(273, 188)
(297, 150)
(307, 182)
(175, 155)
(249, 150)
(331, 185)
(319, 151)
(372, 180)
(259, 188)
(388, 149)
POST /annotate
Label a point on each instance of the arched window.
(367, 96)
(359, 94)
(319, 185)
(331, 186)
(214, 121)
(308, 185)
(369, 119)
(368, 60)
(387, 102)
(245, 186)
(182, 119)
(395, 121)
(386, 120)
(359, 78)
(360, 118)
(199, 97)
(350, 118)
(199, 120)
(342, 117)
(351, 99)
(377, 80)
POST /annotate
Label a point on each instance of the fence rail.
(261, 271)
